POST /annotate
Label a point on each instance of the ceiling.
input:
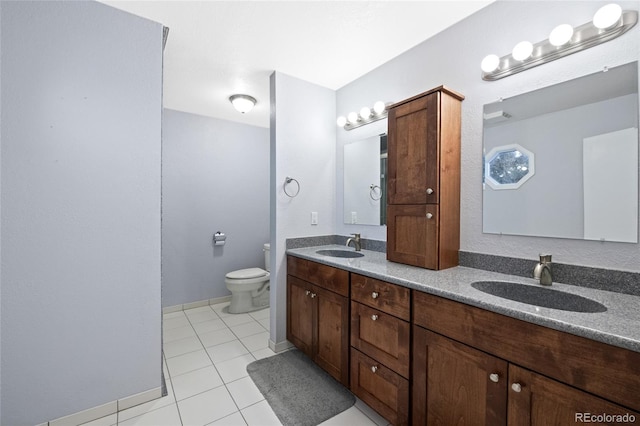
(218, 48)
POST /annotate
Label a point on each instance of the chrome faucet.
(356, 240)
(542, 271)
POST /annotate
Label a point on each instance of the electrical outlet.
(314, 218)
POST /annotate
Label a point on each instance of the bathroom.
(62, 332)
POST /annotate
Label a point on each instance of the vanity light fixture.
(609, 22)
(242, 103)
(365, 116)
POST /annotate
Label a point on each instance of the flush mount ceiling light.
(609, 22)
(367, 115)
(242, 103)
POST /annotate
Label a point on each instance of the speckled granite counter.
(618, 326)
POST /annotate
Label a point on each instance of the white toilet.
(249, 287)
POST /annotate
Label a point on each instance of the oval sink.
(340, 253)
(539, 296)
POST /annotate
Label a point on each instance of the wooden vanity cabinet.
(318, 314)
(380, 346)
(423, 201)
(475, 366)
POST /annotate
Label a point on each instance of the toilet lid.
(244, 274)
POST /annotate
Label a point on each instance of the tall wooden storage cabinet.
(423, 201)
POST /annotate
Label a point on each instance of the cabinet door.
(536, 400)
(413, 148)
(454, 384)
(332, 347)
(412, 235)
(300, 314)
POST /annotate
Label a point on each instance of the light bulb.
(352, 117)
(365, 113)
(379, 107)
(607, 16)
(242, 103)
(561, 35)
(490, 63)
(341, 121)
(522, 51)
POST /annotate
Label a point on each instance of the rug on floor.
(299, 392)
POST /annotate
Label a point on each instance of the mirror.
(365, 185)
(562, 161)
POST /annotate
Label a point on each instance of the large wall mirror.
(563, 161)
(365, 185)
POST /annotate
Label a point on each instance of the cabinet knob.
(374, 317)
(429, 191)
(429, 215)
(313, 295)
(375, 294)
(307, 292)
(374, 368)
(517, 387)
(494, 377)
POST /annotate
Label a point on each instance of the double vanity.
(463, 345)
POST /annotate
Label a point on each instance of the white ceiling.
(219, 48)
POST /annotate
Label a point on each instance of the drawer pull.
(307, 292)
(313, 295)
(429, 215)
(517, 387)
(429, 191)
(375, 295)
(374, 317)
(374, 368)
(494, 377)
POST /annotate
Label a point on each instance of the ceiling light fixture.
(367, 115)
(242, 103)
(609, 22)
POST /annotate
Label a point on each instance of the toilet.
(249, 287)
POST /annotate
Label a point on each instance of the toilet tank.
(267, 256)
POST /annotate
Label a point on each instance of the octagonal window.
(508, 166)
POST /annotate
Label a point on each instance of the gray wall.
(81, 122)
(551, 203)
(215, 177)
(453, 58)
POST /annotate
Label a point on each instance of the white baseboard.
(197, 304)
(280, 346)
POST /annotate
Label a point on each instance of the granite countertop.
(618, 326)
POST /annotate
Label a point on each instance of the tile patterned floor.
(206, 352)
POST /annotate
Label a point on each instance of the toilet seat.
(247, 276)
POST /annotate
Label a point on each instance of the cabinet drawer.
(608, 371)
(381, 336)
(390, 298)
(380, 388)
(327, 277)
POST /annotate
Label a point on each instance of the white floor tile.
(370, 413)
(226, 351)
(206, 407)
(260, 414)
(188, 362)
(175, 314)
(211, 325)
(256, 342)
(218, 337)
(244, 392)
(147, 407)
(263, 353)
(201, 316)
(220, 309)
(266, 323)
(237, 319)
(165, 416)
(104, 421)
(182, 346)
(177, 333)
(235, 419)
(235, 368)
(351, 416)
(261, 314)
(175, 322)
(247, 329)
(195, 382)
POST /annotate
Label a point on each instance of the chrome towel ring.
(375, 196)
(287, 181)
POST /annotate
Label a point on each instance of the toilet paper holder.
(219, 239)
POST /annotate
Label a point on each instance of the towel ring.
(287, 181)
(372, 192)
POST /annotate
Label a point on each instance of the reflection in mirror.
(583, 135)
(365, 186)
